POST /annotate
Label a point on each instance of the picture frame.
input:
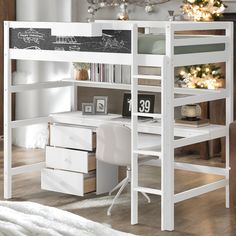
(100, 105)
(145, 104)
(87, 108)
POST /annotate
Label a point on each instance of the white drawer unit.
(72, 137)
(71, 160)
(67, 181)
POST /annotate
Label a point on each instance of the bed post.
(229, 103)
(167, 134)
(134, 127)
(7, 116)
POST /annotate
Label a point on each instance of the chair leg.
(129, 177)
(117, 186)
(146, 196)
(117, 195)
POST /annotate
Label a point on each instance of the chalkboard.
(113, 41)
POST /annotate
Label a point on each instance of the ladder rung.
(147, 152)
(153, 115)
(148, 190)
(149, 77)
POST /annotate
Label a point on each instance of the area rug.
(28, 218)
(96, 202)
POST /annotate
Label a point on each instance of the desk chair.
(114, 147)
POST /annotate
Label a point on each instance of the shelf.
(90, 84)
(201, 97)
(105, 85)
(217, 93)
(36, 86)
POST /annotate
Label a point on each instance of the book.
(102, 73)
(192, 123)
(117, 74)
(111, 74)
(106, 72)
(126, 74)
(97, 72)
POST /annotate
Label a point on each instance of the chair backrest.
(114, 144)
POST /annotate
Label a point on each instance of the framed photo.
(87, 108)
(145, 104)
(100, 104)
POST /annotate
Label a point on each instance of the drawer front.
(72, 137)
(71, 160)
(67, 182)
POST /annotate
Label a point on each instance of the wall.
(43, 102)
(135, 12)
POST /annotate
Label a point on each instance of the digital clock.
(145, 104)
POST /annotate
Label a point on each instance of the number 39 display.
(145, 104)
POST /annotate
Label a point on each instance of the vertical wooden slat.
(134, 128)
(7, 117)
(7, 12)
(229, 105)
(167, 135)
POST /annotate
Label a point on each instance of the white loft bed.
(167, 63)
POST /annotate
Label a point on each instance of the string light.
(206, 76)
(95, 5)
(203, 10)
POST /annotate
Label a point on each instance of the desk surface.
(148, 125)
(76, 118)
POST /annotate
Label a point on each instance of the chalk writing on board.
(33, 47)
(31, 35)
(74, 48)
(59, 49)
(65, 40)
(116, 41)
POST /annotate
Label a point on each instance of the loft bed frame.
(167, 63)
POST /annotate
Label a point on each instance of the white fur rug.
(27, 218)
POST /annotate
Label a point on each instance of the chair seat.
(114, 147)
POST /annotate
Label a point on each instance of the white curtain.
(40, 103)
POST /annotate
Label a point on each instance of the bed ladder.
(166, 153)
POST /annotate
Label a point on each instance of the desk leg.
(106, 177)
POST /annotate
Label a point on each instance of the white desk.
(67, 125)
(149, 126)
(107, 175)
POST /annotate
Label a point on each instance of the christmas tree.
(206, 76)
(203, 10)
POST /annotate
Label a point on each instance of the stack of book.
(108, 73)
(192, 123)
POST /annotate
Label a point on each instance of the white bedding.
(27, 218)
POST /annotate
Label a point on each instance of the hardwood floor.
(204, 215)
